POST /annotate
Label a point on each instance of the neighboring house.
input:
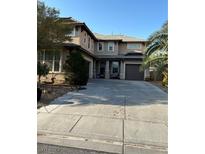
(108, 56)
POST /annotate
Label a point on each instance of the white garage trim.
(90, 60)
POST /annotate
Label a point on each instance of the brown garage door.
(132, 72)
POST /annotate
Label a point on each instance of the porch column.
(98, 67)
(91, 69)
(44, 56)
(107, 70)
(94, 69)
(146, 74)
(122, 76)
(60, 62)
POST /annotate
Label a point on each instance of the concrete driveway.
(109, 116)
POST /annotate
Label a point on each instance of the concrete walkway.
(110, 116)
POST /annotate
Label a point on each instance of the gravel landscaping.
(52, 91)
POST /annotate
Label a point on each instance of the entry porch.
(109, 69)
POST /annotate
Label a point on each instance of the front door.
(102, 70)
(114, 74)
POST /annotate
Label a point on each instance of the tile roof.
(124, 38)
(70, 19)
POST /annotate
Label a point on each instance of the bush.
(76, 69)
(42, 70)
(39, 92)
(147, 79)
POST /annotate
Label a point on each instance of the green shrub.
(42, 70)
(76, 69)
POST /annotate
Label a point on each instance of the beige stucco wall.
(105, 48)
(119, 47)
(123, 48)
(85, 44)
(79, 39)
(59, 77)
(76, 40)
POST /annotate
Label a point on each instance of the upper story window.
(110, 46)
(133, 45)
(100, 46)
(77, 31)
(89, 40)
(72, 33)
(92, 44)
(85, 38)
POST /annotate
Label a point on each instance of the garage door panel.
(132, 72)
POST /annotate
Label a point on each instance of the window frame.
(73, 32)
(85, 38)
(52, 60)
(77, 31)
(113, 67)
(139, 46)
(102, 43)
(89, 42)
(113, 46)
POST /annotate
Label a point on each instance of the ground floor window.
(51, 58)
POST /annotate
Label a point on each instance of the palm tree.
(158, 41)
(156, 54)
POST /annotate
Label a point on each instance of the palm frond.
(156, 54)
(152, 48)
(161, 36)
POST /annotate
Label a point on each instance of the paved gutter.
(53, 149)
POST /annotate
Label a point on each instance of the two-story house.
(108, 56)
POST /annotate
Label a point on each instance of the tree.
(42, 70)
(76, 69)
(51, 31)
(158, 41)
(156, 54)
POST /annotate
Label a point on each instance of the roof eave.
(109, 39)
(135, 41)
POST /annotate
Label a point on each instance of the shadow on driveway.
(114, 92)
